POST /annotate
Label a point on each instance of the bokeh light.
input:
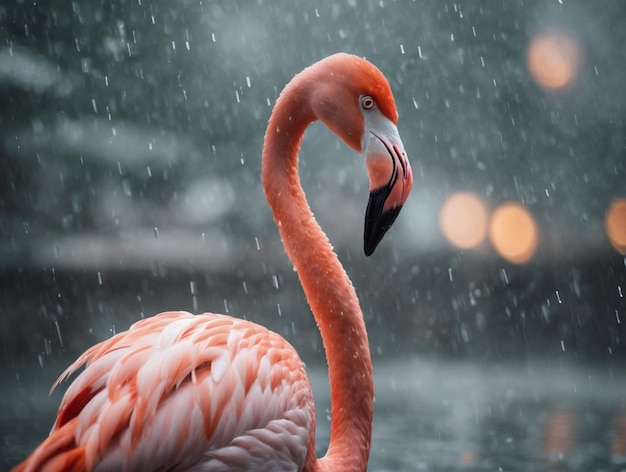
(615, 224)
(463, 220)
(553, 59)
(513, 232)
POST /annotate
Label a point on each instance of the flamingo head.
(353, 98)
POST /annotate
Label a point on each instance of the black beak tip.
(376, 227)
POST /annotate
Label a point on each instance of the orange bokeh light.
(463, 220)
(553, 59)
(513, 232)
(615, 224)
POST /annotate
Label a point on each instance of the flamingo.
(211, 392)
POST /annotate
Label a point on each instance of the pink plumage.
(176, 386)
(215, 393)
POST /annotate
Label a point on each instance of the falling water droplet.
(56, 324)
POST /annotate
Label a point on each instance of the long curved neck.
(328, 289)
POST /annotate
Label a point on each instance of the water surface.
(434, 416)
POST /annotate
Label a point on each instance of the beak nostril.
(402, 158)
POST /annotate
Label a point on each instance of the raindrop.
(465, 334)
(56, 324)
(280, 313)
(562, 346)
(149, 171)
(225, 306)
(248, 81)
(558, 297)
(94, 106)
(401, 48)
(245, 287)
(275, 281)
(192, 287)
(99, 278)
(127, 189)
(156, 233)
(258, 246)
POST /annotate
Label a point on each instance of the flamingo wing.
(184, 392)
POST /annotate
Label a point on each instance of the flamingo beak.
(391, 180)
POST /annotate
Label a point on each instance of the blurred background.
(130, 139)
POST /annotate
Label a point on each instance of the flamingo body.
(215, 393)
(175, 386)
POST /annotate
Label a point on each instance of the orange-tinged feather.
(52, 454)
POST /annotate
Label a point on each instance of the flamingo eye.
(367, 102)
